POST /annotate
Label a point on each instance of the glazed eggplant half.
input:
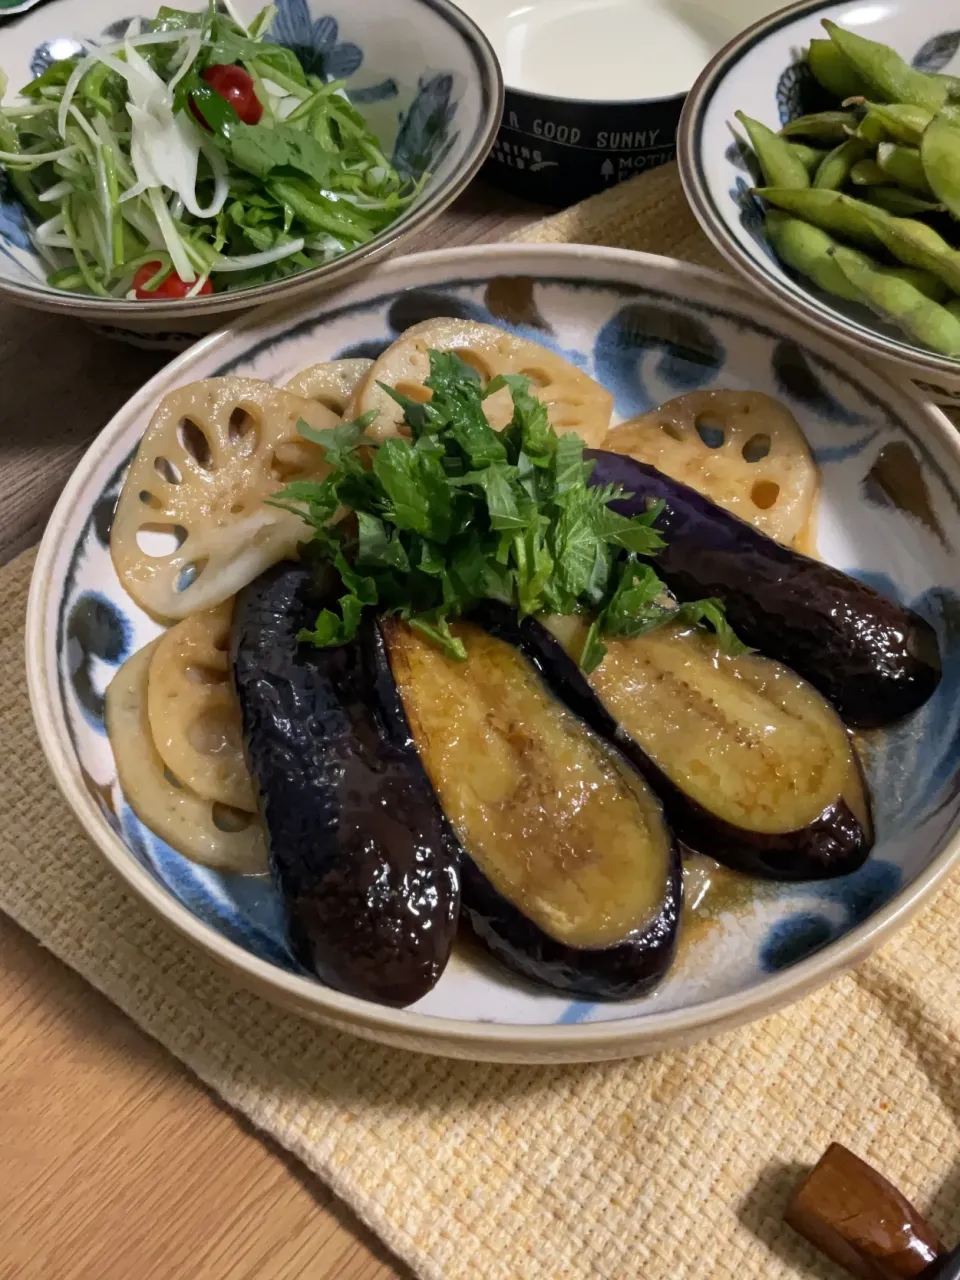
(753, 766)
(364, 859)
(569, 872)
(873, 659)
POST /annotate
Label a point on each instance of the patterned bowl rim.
(650, 1031)
(330, 273)
(713, 223)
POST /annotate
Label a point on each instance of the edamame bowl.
(821, 153)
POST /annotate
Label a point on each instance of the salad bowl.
(421, 74)
(648, 328)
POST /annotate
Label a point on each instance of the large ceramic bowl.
(648, 328)
(420, 71)
(761, 73)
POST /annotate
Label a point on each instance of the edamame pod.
(898, 301)
(902, 121)
(780, 167)
(834, 70)
(810, 157)
(867, 173)
(893, 79)
(822, 126)
(871, 129)
(806, 249)
(911, 242)
(902, 204)
(835, 169)
(904, 166)
(940, 156)
(829, 210)
(953, 306)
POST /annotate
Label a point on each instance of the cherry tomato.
(172, 287)
(234, 86)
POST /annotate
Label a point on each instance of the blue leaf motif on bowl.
(315, 41)
(14, 227)
(424, 137)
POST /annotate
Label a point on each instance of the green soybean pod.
(940, 156)
(835, 169)
(867, 173)
(913, 243)
(806, 249)
(781, 168)
(829, 210)
(897, 300)
(834, 70)
(893, 79)
(953, 306)
(902, 204)
(871, 129)
(904, 166)
(928, 284)
(901, 121)
(810, 157)
(822, 126)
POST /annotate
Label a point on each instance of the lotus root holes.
(538, 378)
(160, 540)
(475, 361)
(199, 673)
(215, 732)
(226, 818)
(244, 431)
(166, 470)
(414, 390)
(195, 443)
(710, 431)
(190, 573)
(150, 500)
(764, 494)
(756, 448)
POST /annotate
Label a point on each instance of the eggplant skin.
(873, 659)
(834, 844)
(626, 967)
(365, 861)
(624, 971)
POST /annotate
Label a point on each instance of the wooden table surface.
(115, 1164)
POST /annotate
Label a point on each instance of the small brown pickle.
(857, 1218)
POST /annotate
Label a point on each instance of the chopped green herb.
(459, 513)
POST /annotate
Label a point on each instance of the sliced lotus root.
(742, 449)
(194, 711)
(191, 527)
(331, 383)
(575, 402)
(203, 831)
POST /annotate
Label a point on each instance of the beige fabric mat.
(645, 1170)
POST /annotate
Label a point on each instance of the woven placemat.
(651, 1169)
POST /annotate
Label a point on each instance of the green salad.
(193, 156)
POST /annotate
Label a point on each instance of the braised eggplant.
(363, 857)
(569, 872)
(753, 767)
(873, 659)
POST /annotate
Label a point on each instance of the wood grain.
(116, 1164)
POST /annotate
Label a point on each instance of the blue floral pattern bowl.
(648, 328)
(420, 71)
(762, 73)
